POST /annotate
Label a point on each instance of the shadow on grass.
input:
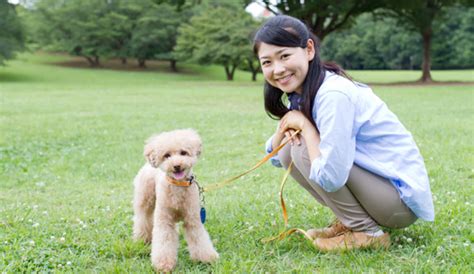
(10, 77)
(130, 66)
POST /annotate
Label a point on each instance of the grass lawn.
(71, 141)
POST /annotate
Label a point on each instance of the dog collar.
(180, 183)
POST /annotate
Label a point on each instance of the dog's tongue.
(179, 175)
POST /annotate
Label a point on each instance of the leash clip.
(202, 212)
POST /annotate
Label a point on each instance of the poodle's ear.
(196, 142)
(198, 149)
(151, 154)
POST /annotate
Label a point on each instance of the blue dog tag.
(203, 215)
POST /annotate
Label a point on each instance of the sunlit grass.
(71, 142)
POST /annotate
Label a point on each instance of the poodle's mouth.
(180, 175)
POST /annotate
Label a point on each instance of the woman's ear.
(310, 50)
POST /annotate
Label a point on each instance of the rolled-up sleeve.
(334, 114)
(268, 148)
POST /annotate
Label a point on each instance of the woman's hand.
(290, 123)
(294, 120)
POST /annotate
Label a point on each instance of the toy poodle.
(165, 194)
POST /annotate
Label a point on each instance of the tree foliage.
(155, 34)
(93, 29)
(420, 15)
(372, 44)
(384, 44)
(218, 36)
(453, 42)
(11, 32)
(323, 16)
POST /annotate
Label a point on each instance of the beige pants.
(362, 204)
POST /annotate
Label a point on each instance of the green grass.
(71, 141)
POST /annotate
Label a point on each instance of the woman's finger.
(288, 136)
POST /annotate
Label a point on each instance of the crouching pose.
(352, 155)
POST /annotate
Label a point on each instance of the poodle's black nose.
(177, 168)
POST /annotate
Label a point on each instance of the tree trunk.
(124, 60)
(173, 66)
(254, 75)
(253, 69)
(89, 60)
(96, 61)
(93, 62)
(229, 73)
(141, 63)
(426, 65)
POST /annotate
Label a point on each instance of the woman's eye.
(264, 63)
(285, 56)
(184, 153)
(166, 156)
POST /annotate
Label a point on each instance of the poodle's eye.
(166, 156)
(184, 153)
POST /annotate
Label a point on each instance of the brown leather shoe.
(352, 240)
(336, 228)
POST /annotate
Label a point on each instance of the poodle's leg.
(143, 207)
(164, 247)
(199, 244)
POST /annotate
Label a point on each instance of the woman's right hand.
(293, 140)
(280, 136)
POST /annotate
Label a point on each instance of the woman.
(352, 153)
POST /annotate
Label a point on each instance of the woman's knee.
(399, 219)
(284, 155)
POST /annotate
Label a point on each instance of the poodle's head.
(174, 152)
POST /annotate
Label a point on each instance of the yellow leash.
(257, 165)
(285, 233)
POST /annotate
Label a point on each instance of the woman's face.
(285, 67)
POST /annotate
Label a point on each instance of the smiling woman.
(353, 155)
(282, 66)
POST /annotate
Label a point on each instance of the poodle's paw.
(140, 236)
(208, 256)
(163, 264)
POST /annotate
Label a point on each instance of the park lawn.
(71, 142)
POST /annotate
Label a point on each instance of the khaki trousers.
(362, 204)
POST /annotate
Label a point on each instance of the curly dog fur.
(159, 205)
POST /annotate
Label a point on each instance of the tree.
(11, 32)
(419, 15)
(371, 44)
(94, 29)
(219, 36)
(323, 16)
(87, 28)
(155, 34)
(453, 42)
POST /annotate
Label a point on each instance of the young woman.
(352, 154)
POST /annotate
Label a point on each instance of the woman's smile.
(284, 80)
(284, 67)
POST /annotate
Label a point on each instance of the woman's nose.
(279, 68)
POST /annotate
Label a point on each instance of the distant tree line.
(213, 32)
(328, 16)
(12, 35)
(359, 34)
(374, 43)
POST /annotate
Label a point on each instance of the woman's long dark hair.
(286, 31)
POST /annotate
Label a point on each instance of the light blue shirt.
(356, 126)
